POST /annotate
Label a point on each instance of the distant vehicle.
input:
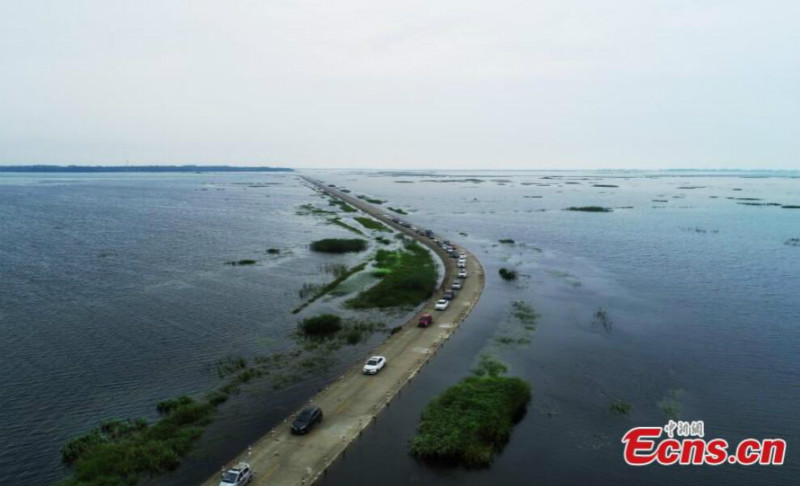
(442, 304)
(374, 365)
(238, 475)
(462, 273)
(456, 285)
(449, 295)
(462, 256)
(462, 264)
(425, 320)
(306, 420)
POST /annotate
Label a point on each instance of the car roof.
(377, 357)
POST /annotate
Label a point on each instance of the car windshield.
(230, 477)
(305, 414)
(372, 362)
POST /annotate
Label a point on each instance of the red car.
(425, 320)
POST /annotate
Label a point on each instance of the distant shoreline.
(140, 168)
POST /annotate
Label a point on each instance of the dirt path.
(354, 400)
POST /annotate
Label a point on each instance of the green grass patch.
(308, 208)
(342, 224)
(397, 210)
(370, 200)
(383, 241)
(339, 245)
(342, 205)
(471, 421)
(408, 278)
(590, 209)
(508, 274)
(370, 223)
(621, 407)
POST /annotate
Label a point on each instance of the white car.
(238, 475)
(374, 365)
(462, 256)
(442, 304)
(462, 264)
(456, 285)
(462, 273)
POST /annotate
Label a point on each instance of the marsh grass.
(339, 245)
(371, 224)
(590, 209)
(320, 291)
(321, 325)
(508, 274)
(236, 263)
(342, 205)
(338, 222)
(471, 421)
(408, 277)
(507, 241)
(621, 407)
(397, 210)
(370, 200)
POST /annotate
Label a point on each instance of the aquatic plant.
(590, 209)
(507, 274)
(605, 185)
(792, 242)
(488, 365)
(397, 210)
(507, 241)
(338, 222)
(342, 205)
(229, 365)
(621, 407)
(339, 245)
(323, 324)
(409, 279)
(241, 262)
(790, 206)
(370, 200)
(382, 240)
(600, 318)
(471, 421)
(273, 251)
(370, 223)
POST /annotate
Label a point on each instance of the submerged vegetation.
(600, 319)
(342, 205)
(471, 421)
(339, 245)
(507, 274)
(621, 407)
(370, 223)
(273, 251)
(792, 242)
(342, 224)
(408, 277)
(321, 291)
(323, 324)
(397, 210)
(589, 209)
(238, 263)
(507, 241)
(370, 200)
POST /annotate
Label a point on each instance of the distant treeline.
(138, 168)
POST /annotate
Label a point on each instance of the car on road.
(442, 304)
(306, 420)
(374, 365)
(238, 475)
(449, 295)
(425, 320)
(456, 285)
(462, 256)
(462, 273)
(462, 264)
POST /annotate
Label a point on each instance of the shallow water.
(115, 295)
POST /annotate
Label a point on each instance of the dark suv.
(306, 420)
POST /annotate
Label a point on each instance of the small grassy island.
(339, 245)
(590, 209)
(471, 421)
(321, 325)
(507, 241)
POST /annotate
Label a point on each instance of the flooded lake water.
(115, 295)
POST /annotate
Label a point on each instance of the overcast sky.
(402, 84)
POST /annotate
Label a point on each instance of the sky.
(449, 84)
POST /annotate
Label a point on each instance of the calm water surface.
(114, 295)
